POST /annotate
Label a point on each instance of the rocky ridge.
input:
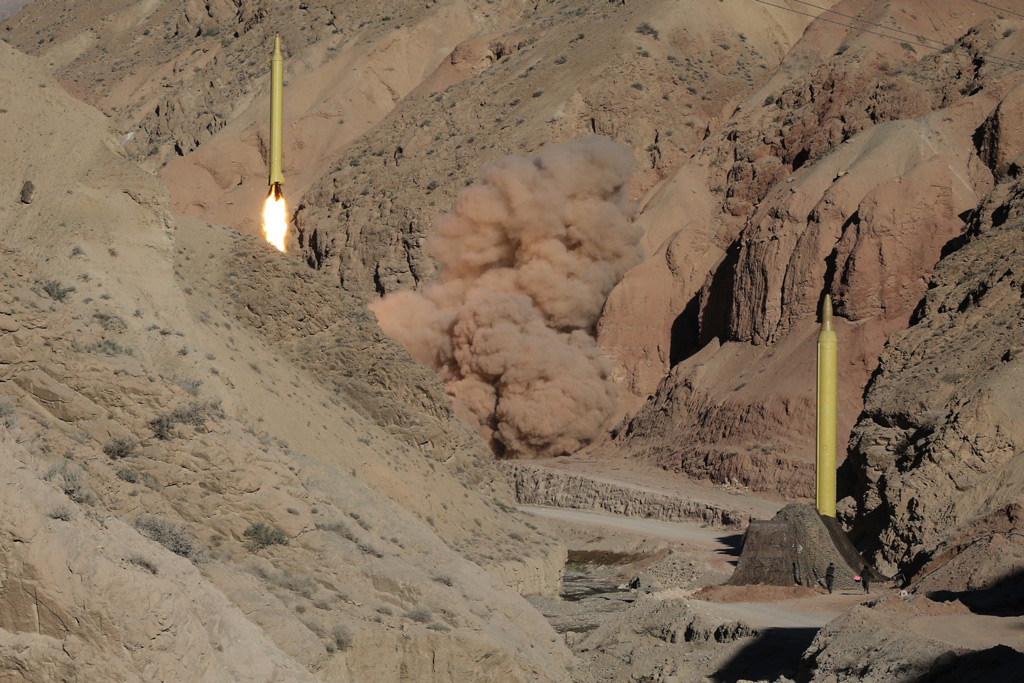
(946, 453)
(878, 642)
(534, 485)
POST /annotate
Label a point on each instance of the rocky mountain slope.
(208, 449)
(939, 444)
(845, 174)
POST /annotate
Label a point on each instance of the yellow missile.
(828, 366)
(276, 178)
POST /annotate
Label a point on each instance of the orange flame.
(275, 220)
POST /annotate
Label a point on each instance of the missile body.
(828, 365)
(276, 178)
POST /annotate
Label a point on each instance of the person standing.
(830, 576)
(864, 578)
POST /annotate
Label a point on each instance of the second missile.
(276, 177)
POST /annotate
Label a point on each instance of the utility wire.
(1006, 62)
(842, 23)
(997, 60)
(870, 23)
(999, 9)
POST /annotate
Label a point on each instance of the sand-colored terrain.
(214, 448)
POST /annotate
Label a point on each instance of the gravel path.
(716, 540)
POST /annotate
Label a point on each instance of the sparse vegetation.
(301, 585)
(61, 512)
(338, 528)
(195, 414)
(141, 561)
(8, 418)
(109, 347)
(69, 479)
(646, 29)
(191, 386)
(56, 291)
(121, 447)
(369, 550)
(420, 615)
(162, 426)
(110, 322)
(262, 535)
(128, 475)
(177, 539)
(342, 637)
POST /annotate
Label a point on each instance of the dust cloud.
(527, 259)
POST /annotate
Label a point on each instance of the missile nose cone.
(277, 46)
(826, 313)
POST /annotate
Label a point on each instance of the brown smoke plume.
(527, 259)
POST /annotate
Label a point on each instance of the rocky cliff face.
(939, 441)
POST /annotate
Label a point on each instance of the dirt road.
(717, 540)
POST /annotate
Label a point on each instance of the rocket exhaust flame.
(275, 218)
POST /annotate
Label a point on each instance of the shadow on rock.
(999, 664)
(1004, 599)
(774, 653)
(734, 543)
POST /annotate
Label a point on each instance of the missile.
(828, 366)
(276, 178)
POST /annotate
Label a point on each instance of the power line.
(999, 9)
(841, 23)
(1004, 61)
(870, 23)
(998, 60)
